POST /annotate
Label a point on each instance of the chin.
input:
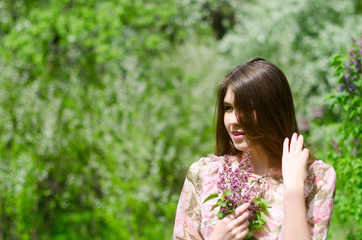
(241, 147)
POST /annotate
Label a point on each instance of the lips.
(238, 134)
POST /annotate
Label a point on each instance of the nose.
(234, 119)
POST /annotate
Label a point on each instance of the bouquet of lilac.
(234, 190)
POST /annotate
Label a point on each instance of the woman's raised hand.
(294, 162)
(233, 226)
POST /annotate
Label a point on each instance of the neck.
(259, 161)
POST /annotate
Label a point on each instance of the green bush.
(105, 104)
(345, 151)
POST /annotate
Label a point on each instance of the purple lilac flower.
(352, 54)
(348, 66)
(353, 68)
(357, 64)
(237, 182)
(348, 84)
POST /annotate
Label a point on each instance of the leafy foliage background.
(105, 104)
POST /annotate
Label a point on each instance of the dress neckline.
(270, 173)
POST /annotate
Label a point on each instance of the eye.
(228, 108)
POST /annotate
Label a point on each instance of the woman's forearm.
(295, 216)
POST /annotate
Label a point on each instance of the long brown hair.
(264, 108)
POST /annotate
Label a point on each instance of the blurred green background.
(105, 104)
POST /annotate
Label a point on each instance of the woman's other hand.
(294, 163)
(233, 226)
(294, 170)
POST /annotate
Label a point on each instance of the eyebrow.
(227, 103)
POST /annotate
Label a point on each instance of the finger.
(242, 234)
(293, 142)
(230, 216)
(241, 209)
(237, 214)
(299, 144)
(240, 228)
(242, 218)
(305, 153)
(285, 148)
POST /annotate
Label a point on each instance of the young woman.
(255, 113)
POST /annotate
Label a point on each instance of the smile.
(238, 135)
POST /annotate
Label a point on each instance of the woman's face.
(232, 126)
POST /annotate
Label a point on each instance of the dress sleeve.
(320, 200)
(188, 214)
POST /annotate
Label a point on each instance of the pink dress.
(194, 220)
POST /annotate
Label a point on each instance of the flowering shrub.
(348, 96)
(234, 190)
(345, 154)
(348, 69)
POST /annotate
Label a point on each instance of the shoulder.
(207, 167)
(209, 164)
(202, 171)
(320, 168)
(322, 175)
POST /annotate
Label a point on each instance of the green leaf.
(263, 218)
(249, 235)
(259, 226)
(220, 215)
(230, 211)
(221, 203)
(263, 204)
(214, 206)
(211, 196)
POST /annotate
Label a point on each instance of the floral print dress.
(194, 220)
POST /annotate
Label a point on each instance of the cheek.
(226, 121)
